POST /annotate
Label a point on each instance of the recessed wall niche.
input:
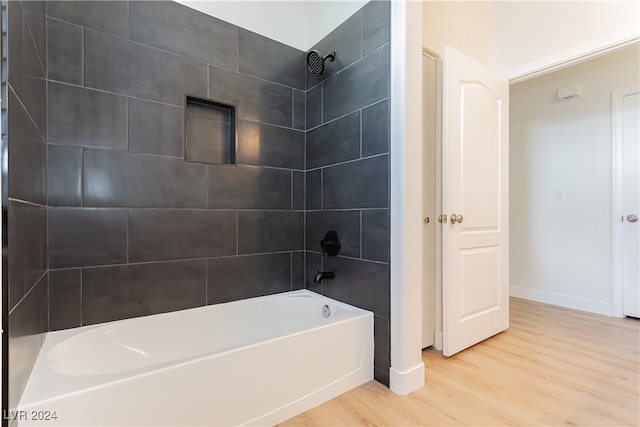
(209, 132)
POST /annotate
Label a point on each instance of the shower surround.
(134, 230)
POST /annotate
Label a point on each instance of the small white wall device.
(569, 92)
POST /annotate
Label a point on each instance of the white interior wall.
(561, 249)
(518, 38)
(300, 24)
(530, 35)
(464, 25)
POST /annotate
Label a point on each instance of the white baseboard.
(592, 306)
(405, 382)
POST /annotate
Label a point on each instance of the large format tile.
(27, 240)
(271, 60)
(64, 170)
(346, 42)
(362, 84)
(255, 99)
(312, 265)
(25, 339)
(313, 190)
(239, 187)
(35, 244)
(81, 237)
(119, 292)
(165, 234)
(382, 350)
(64, 52)
(241, 277)
(177, 28)
(32, 63)
(265, 145)
(375, 129)
(360, 184)
(313, 107)
(79, 116)
(27, 178)
(376, 18)
(65, 299)
(34, 95)
(375, 235)
(165, 182)
(124, 67)
(105, 180)
(334, 142)
(270, 231)
(108, 16)
(298, 191)
(297, 270)
(156, 128)
(345, 223)
(34, 17)
(17, 253)
(15, 42)
(361, 283)
(117, 178)
(299, 109)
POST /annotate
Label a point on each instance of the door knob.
(456, 218)
(426, 220)
(442, 219)
(632, 218)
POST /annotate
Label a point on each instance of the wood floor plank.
(553, 366)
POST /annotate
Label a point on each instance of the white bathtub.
(258, 361)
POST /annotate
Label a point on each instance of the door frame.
(616, 193)
(430, 207)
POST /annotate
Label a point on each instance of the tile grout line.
(81, 272)
(349, 161)
(26, 294)
(379, 101)
(206, 283)
(361, 130)
(361, 231)
(127, 240)
(237, 232)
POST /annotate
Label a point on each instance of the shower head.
(315, 61)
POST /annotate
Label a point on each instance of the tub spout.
(321, 275)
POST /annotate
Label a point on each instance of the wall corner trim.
(406, 373)
(404, 383)
(573, 56)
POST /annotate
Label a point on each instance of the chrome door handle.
(442, 219)
(456, 218)
(632, 218)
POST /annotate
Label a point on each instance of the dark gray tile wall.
(248, 276)
(347, 174)
(133, 229)
(155, 128)
(25, 129)
(132, 225)
(119, 292)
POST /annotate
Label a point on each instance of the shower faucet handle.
(330, 244)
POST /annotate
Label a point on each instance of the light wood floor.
(553, 366)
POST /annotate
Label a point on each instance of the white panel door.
(631, 203)
(475, 201)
